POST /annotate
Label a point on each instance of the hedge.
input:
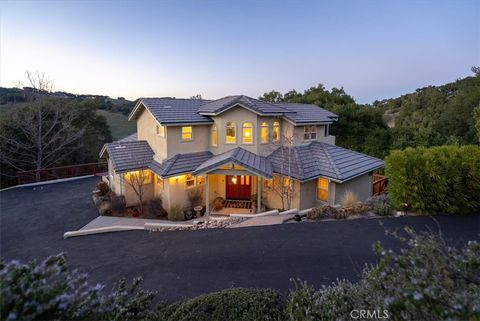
(444, 179)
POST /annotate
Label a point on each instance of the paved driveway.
(188, 263)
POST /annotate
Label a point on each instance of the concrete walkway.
(126, 222)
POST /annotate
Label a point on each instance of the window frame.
(162, 132)
(252, 137)
(312, 130)
(318, 189)
(190, 178)
(266, 126)
(234, 126)
(276, 129)
(191, 134)
(214, 133)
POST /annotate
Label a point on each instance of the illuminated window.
(214, 135)
(230, 137)
(160, 183)
(276, 131)
(309, 132)
(139, 177)
(160, 131)
(264, 133)
(187, 133)
(286, 182)
(247, 133)
(190, 180)
(322, 189)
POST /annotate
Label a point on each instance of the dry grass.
(348, 199)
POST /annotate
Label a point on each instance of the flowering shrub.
(47, 291)
(427, 281)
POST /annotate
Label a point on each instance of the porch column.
(207, 207)
(259, 193)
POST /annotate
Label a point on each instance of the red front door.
(238, 187)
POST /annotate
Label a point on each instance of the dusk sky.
(374, 49)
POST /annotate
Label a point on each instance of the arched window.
(231, 129)
(214, 135)
(276, 131)
(247, 133)
(264, 133)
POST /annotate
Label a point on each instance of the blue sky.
(374, 49)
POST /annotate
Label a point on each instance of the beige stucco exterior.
(174, 190)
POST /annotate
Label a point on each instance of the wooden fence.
(47, 174)
(380, 183)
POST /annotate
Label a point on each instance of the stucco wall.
(360, 186)
(147, 130)
(199, 143)
(272, 199)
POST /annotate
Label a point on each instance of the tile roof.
(129, 155)
(251, 161)
(318, 159)
(307, 114)
(261, 107)
(180, 164)
(171, 111)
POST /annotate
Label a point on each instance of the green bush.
(48, 291)
(175, 213)
(103, 188)
(381, 205)
(236, 304)
(427, 281)
(443, 179)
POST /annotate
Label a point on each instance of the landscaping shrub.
(175, 213)
(218, 203)
(443, 179)
(236, 304)
(358, 208)
(103, 188)
(381, 205)
(155, 206)
(48, 291)
(105, 208)
(324, 211)
(195, 196)
(427, 281)
(348, 199)
(117, 202)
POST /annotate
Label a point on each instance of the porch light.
(234, 179)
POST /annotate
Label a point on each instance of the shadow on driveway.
(188, 263)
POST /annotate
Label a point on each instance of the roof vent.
(120, 147)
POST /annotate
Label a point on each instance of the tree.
(272, 97)
(476, 71)
(138, 181)
(477, 121)
(197, 97)
(39, 135)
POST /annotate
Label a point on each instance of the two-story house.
(237, 147)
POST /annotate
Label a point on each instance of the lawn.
(119, 124)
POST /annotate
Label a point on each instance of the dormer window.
(160, 131)
(231, 129)
(214, 135)
(309, 133)
(276, 131)
(187, 133)
(264, 133)
(247, 133)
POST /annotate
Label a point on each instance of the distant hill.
(12, 97)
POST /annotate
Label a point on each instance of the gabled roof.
(239, 156)
(172, 111)
(129, 155)
(179, 164)
(318, 159)
(218, 106)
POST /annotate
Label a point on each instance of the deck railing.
(46, 174)
(380, 183)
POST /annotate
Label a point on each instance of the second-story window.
(264, 133)
(276, 131)
(187, 133)
(247, 133)
(230, 137)
(326, 130)
(309, 132)
(160, 131)
(214, 135)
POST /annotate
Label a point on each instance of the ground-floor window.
(190, 180)
(322, 189)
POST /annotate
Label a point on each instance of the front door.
(239, 187)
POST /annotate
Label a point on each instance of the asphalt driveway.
(187, 263)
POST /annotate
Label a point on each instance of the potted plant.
(218, 203)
